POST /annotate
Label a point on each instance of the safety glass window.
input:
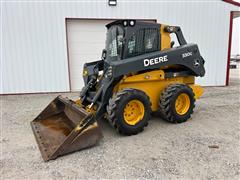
(143, 41)
(151, 40)
(114, 43)
(134, 46)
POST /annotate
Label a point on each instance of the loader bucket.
(64, 127)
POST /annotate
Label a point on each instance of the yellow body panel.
(153, 83)
(198, 90)
(165, 38)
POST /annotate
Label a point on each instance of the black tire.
(116, 107)
(167, 103)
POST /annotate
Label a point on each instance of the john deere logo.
(150, 62)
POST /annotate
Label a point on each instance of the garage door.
(86, 39)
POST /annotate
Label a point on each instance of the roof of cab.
(136, 22)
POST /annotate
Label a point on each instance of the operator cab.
(129, 38)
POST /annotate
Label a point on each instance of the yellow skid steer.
(140, 72)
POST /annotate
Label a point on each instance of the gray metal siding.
(34, 57)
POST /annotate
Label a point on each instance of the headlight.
(132, 23)
(125, 23)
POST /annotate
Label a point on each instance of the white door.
(86, 39)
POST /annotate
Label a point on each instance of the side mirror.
(104, 54)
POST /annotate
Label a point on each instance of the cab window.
(114, 43)
(143, 41)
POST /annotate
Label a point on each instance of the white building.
(46, 43)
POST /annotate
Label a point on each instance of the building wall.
(34, 57)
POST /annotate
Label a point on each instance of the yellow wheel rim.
(133, 112)
(182, 104)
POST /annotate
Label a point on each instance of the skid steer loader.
(140, 72)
